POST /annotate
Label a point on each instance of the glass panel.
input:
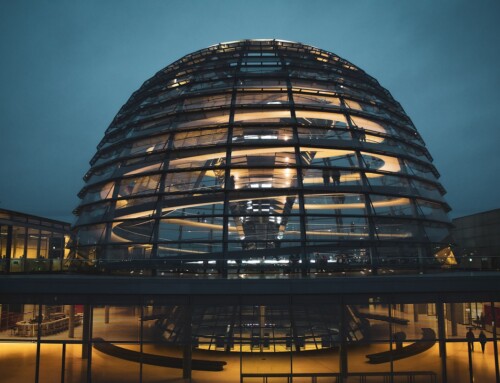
(425, 366)
(138, 186)
(462, 317)
(263, 115)
(191, 120)
(157, 125)
(210, 101)
(10, 314)
(202, 158)
(191, 229)
(50, 363)
(392, 206)
(62, 322)
(75, 367)
(267, 229)
(381, 162)
(372, 319)
(207, 85)
(257, 135)
(200, 213)
(124, 207)
(368, 125)
(420, 170)
(318, 135)
(188, 252)
(437, 233)
(414, 320)
(116, 323)
(482, 368)
(399, 257)
(394, 229)
(315, 99)
(262, 156)
(18, 361)
(262, 98)
(261, 69)
(91, 235)
(428, 190)
(329, 157)
(322, 177)
(141, 146)
(338, 204)
(204, 180)
(432, 210)
(310, 117)
(335, 228)
(271, 84)
(197, 138)
(19, 236)
(132, 231)
(19, 321)
(300, 84)
(398, 184)
(264, 178)
(93, 213)
(103, 173)
(100, 192)
(357, 360)
(107, 367)
(141, 165)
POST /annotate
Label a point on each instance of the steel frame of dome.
(262, 152)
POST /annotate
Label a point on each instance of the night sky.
(68, 66)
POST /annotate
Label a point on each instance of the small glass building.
(30, 243)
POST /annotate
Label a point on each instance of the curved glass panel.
(261, 155)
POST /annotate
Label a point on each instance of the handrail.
(410, 375)
(285, 262)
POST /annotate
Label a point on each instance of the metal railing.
(362, 377)
(282, 266)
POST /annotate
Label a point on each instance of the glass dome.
(262, 155)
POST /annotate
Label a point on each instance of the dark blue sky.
(68, 66)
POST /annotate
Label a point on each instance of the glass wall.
(374, 338)
(32, 244)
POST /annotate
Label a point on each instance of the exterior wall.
(478, 239)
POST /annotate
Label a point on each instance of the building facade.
(30, 243)
(258, 211)
(477, 239)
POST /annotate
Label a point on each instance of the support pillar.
(343, 345)
(262, 325)
(453, 319)
(106, 314)
(86, 331)
(495, 345)
(8, 250)
(46, 312)
(442, 339)
(71, 322)
(187, 353)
